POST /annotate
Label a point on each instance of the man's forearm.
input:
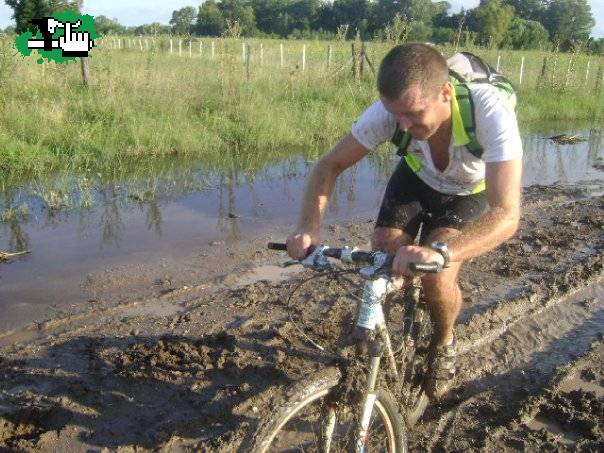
(484, 234)
(319, 187)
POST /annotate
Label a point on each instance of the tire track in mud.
(502, 371)
(567, 415)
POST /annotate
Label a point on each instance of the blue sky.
(137, 12)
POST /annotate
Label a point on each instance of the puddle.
(77, 226)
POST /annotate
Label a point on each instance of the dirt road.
(195, 366)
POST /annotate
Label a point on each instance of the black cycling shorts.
(409, 201)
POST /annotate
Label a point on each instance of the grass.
(149, 108)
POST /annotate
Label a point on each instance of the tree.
(494, 19)
(24, 11)
(63, 5)
(240, 12)
(182, 20)
(596, 46)
(353, 13)
(526, 34)
(528, 9)
(106, 26)
(210, 21)
(568, 20)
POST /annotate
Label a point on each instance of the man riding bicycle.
(469, 203)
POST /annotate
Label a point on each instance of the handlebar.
(360, 256)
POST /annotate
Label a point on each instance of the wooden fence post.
(541, 80)
(243, 51)
(281, 53)
(329, 56)
(261, 54)
(190, 48)
(248, 57)
(200, 48)
(303, 57)
(171, 46)
(180, 47)
(212, 50)
(85, 71)
(521, 70)
(586, 73)
(498, 62)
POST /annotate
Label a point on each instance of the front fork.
(375, 353)
(370, 320)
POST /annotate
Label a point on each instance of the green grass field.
(148, 105)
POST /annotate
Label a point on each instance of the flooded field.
(148, 315)
(94, 237)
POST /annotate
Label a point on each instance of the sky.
(138, 12)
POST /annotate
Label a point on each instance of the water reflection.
(99, 203)
(546, 162)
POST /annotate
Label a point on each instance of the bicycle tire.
(295, 423)
(415, 398)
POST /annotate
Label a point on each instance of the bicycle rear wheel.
(302, 417)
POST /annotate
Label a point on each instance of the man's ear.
(447, 92)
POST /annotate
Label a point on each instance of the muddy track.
(195, 368)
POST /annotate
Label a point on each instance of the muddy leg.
(389, 239)
(443, 295)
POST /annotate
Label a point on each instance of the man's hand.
(299, 243)
(414, 254)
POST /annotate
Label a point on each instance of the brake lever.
(379, 259)
(316, 260)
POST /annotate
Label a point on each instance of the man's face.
(419, 113)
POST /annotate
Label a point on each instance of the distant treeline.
(516, 24)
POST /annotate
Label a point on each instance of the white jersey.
(496, 131)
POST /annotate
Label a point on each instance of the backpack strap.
(465, 105)
(401, 140)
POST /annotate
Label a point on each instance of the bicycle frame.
(370, 329)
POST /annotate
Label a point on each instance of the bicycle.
(321, 413)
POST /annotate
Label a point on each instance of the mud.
(195, 365)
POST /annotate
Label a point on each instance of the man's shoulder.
(483, 91)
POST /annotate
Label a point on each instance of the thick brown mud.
(195, 367)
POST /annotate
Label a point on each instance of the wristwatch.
(443, 249)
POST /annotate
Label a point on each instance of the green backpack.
(465, 70)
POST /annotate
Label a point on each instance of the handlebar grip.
(276, 246)
(431, 268)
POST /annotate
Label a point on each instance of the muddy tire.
(296, 423)
(415, 399)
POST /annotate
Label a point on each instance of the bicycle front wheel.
(313, 418)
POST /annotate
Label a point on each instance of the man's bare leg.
(442, 292)
(389, 239)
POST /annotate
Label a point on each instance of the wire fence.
(538, 69)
